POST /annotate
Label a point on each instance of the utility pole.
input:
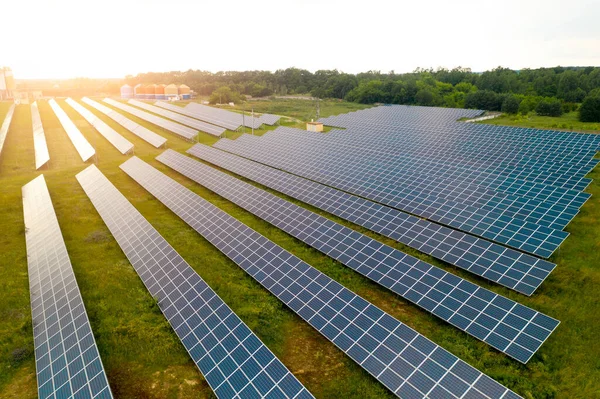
(253, 121)
(318, 108)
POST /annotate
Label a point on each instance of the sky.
(61, 39)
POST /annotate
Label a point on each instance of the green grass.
(144, 358)
(569, 121)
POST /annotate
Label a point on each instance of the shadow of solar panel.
(173, 127)
(83, 147)
(521, 272)
(234, 362)
(528, 237)
(119, 142)
(67, 361)
(39, 139)
(493, 319)
(404, 361)
(196, 124)
(140, 131)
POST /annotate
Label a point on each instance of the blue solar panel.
(235, 363)
(513, 269)
(526, 236)
(404, 361)
(453, 299)
(67, 361)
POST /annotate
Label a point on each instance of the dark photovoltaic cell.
(500, 322)
(404, 361)
(269, 119)
(511, 268)
(67, 361)
(526, 236)
(235, 363)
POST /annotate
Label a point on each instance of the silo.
(139, 91)
(159, 92)
(126, 91)
(171, 91)
(150, 91)
(184, 92)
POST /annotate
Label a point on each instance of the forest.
(545, 91)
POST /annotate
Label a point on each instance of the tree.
(510, 105)
(424, 97)
(484, 99)
(224, 95)
(549, 107)
(590, 109)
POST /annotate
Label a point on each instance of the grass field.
(142, 355)
(569, 121)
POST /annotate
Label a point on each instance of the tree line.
(546, 91)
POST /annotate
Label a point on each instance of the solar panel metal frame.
(83, 147)
(502, 323)
(173, 127)
(233, 360)
(123, 145)
(145, 134)
(67, 360)
(403, 360)
(5, 126)
(42, 156)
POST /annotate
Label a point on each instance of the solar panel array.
(269, 119)
(202, 126)
(513, 269)
(404, 361)
(139, 130)
(67, 361)
(42, 156)
(361, 164)
(223, 117)
(119, 142)
(190, 113)
(5, 126)
(498, 321)
(235, 363)
(173, 127)
(83, 147)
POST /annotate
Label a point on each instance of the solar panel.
(505, 266)
(269, 119)
(202, 126)
(83, 147)
(39, 139)
(173, 127)
(467, 306)
(139, 130)
(235, 363)
(67, 361)
(5, 126)
(119, 142)
(528, 237)
(404, 361)
(206, 118)
(223, 116)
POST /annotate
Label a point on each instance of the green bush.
(549, 107)
(510, 105)
(590, 109)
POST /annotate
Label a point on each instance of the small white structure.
(314, 126)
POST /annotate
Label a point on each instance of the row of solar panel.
(498, 321)
(5, 126)
(234, 362)
(526, 236)
(404, 361)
